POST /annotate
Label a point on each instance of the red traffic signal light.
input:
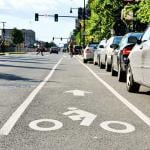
(36, 17)
(56, 17)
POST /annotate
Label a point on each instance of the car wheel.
(113, 72)
(121, 74)
(98, 61)
(108, 67)
(84, 61)
(101, 65)
(131, 85)
(94, 62)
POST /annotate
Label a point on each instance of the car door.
(135, 58)
(145, 48)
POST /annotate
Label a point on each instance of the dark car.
(54, 50)
(77, 49)
(120, 55)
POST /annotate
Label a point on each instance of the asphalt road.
(54, 102)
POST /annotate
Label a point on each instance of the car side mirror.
(132, 39)
(114, 46)
(139, 41)
(101, 46)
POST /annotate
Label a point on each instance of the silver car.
(88, 52)
(138, 69)
(97, 52)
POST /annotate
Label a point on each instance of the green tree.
(104, 14)
(17, 37)
(143, 14)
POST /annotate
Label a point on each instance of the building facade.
(29, 36)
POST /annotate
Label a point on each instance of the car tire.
(121, 74)
(130, 84)
(108, 66)
(95, 63)
(98, 61)
(113, 72)
(84, 61)
(101, 65)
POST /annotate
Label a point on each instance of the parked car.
(138, 68)
(54, 50)
(77, 49)
(88, 52)
(109, 49)
(106, 53)
(100, 46)
(120, 55)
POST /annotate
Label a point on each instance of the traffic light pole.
(37, 16)
(84, 25)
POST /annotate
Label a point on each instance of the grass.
(12, 53)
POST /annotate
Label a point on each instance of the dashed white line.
(134, 109)
(7, 127)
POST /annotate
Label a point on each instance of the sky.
(20, 14)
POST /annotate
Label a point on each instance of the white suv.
(138, 71)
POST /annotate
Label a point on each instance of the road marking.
(134, 109)
(34, 125)
(77, 114)
(5, 130)
(129, 128)
(78, 92)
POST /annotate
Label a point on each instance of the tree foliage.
(105, 13)
(17, 36)
(143, 13)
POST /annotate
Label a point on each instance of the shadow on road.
(28, 67)
(12, 77)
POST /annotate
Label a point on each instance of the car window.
(77, 47)
(109, 42)
(117, 39)
(93, 45)
(123, 40)
(146, 35)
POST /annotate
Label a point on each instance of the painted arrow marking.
(78, 92)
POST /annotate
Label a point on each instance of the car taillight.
(126, 50)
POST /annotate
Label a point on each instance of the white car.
(138, 71)
(106, 53)
(100, 46)
(88, 52)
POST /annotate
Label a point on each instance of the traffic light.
(53, 38)
(80, 13)
(56, 17)
(87, 13)
(36, 17)
(61, 38)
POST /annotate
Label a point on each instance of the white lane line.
(134, 109)
(5, 130)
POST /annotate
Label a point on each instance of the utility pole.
(3, 36)
(84, 25)
(3, 29)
